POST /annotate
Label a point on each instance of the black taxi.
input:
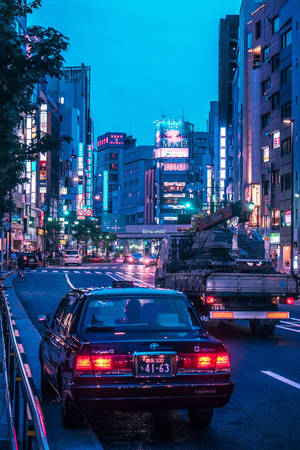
(132, 349)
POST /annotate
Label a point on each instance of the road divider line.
(69, 282)
(289, 329)
(290, 323)
(294, 318)
(280, 378)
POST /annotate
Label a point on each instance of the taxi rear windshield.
(71, 252)
(137, 314)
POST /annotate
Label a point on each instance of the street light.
(291, 123)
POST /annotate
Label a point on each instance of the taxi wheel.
(46, 388)
(200, 418)
(71, 416)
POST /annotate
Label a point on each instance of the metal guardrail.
(26, 419)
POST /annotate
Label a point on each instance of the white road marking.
(290, 323)
(280, 378)
(44, 270)
(136, 279)
(69, 282)
(86, 271)
(66, 271)
(99, 273)
(55, 271)
(114, 278)
(76, 271)
(289, 329)
(294, 318)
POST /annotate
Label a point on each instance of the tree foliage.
(26, 60)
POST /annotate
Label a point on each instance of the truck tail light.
(209, 300)
(290, 300)
(199, 362)
(102, 364)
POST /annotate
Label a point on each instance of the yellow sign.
(63, 241)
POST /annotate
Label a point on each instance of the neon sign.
(105, 190)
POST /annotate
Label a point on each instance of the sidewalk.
(4, 429)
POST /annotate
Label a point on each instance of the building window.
(266, 154)
(265, 187)
(275, 24)
(275, 61)
(265, 85)
(113, 156)
(113, 166)
(286, 146)
(286, 76)
(275, 217)
(265, 120)
(275, 177)
(275, 100)
(286, 39)
(286, 111)
(249, 41)
(265, 52)
(286, 182)
(257, 30)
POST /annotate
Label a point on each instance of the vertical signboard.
(43, 156)
(80, 193)
(105, 190)
(89, 177)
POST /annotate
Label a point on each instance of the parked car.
(119, 259)
(132, 349)
(31, 260)
(72, 257)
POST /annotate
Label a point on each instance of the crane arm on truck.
(241, 209)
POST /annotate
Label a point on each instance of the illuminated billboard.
(172, 134)
(171, 153)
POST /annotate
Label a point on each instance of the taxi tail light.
(210, 300)
(222, 361)
(196, 362)
(203, 361)
(106, 364)
(290, 300)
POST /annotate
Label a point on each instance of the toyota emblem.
(154, 346)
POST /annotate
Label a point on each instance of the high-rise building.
(228, 46)
(172, 153)
(270, 125)
(108, 176)
(77, 156)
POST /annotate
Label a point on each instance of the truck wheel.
(200, 418)
(261, 327)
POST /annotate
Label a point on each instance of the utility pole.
(291, 123)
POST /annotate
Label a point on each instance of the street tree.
(26, 59)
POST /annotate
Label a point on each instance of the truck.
(224, 272)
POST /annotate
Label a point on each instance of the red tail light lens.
(290, 300)
(196, 362)
(84, 363)
(210, 299)
(104, 364)
(203, 362)
(222, 361)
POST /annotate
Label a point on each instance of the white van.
(72, 257)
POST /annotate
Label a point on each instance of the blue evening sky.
(147, 57)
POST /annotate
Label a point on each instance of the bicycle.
(21, 274)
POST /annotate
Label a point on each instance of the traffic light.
(251, 206)
(66, 213)
(188, 205)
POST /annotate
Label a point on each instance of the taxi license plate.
(154, 366)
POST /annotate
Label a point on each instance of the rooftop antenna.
(183, 114)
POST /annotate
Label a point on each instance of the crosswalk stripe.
(44, 270)
(99, 273)
(55, 271)
(76, 271)
(86, 271)
(66, 271)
